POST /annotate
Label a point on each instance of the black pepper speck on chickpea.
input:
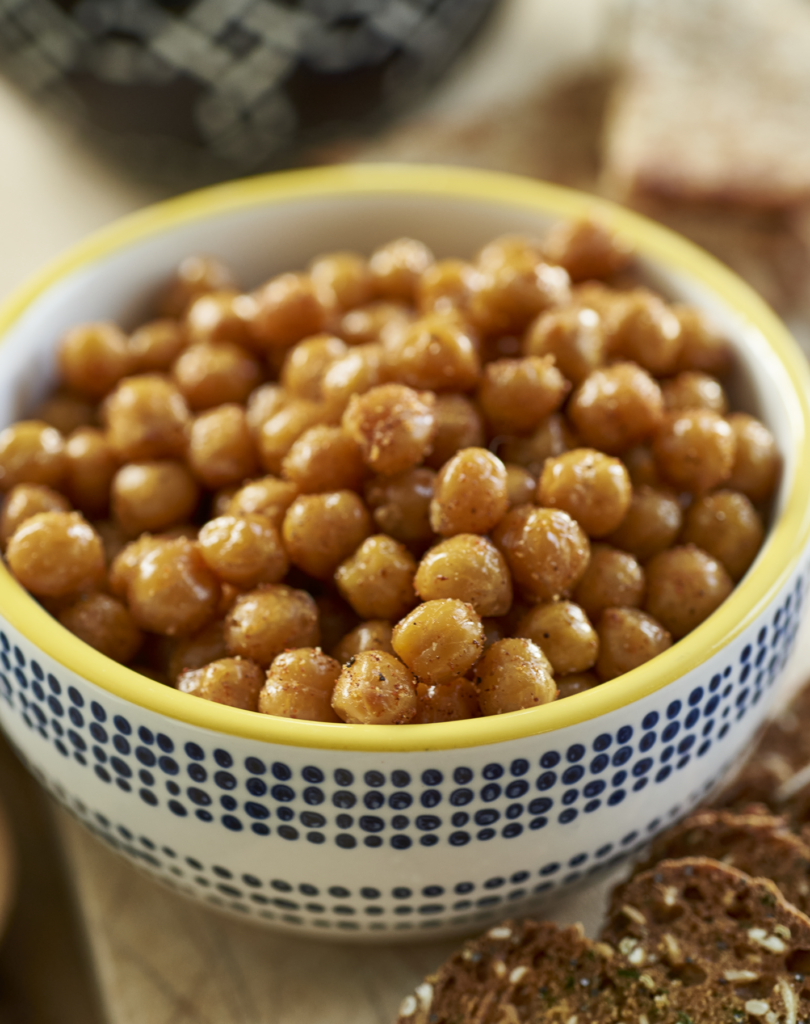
(402, 458)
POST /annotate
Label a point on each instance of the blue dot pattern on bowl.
(343, 810)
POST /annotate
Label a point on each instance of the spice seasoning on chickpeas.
(481, 484)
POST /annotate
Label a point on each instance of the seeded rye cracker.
(708, 944)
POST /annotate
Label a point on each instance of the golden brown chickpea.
(105, 623)
(443, 286)
(287, 310)
(321, 530)
(265, 401)
(505, 298)
(640, 327)
(469, 568)
(146, 418)
(757, 463)
(171, 590)
(514, 674)
(684, 586)
(197, 651)
(375, 322)
(694, 390)
(694, 449)
(299, 684)
(377, 580)
(154, 346)
(545, 548)
(55, 554)
(453, 702)
(125, 563)
(573, 336)
(221, 450)
(353, 374)
(24, 501)
(563, 633)
(93, 357)
(374, 635)
(616, 407)
(268, 497)
(306, 364)
(436, 352)
(652, 523)
(31, 452)
(220, 317)
(439, 640)
(232, 681)
(375, 688)
(702, 346)
(208, 375)
(613, 579)
(324, 458)
(91, 466)
(506, 249)
(243, 550)
(575, 682)
(516, 394)
(401, 505)
(195, 276)
(586, 249)
(552, 437)
(591, 487)
(342, 280)
(641, 466)
(65, 412)
(726, 526)
(469, 494)
(268, 620)
(280, 432)
(397, 267)
(458, 425)
(628, 638)
(153, 495)
(394, 426)
(520, 485)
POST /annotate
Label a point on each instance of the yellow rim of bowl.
(780, 556)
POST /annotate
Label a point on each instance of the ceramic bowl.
(395, 832)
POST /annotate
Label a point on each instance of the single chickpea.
(375, 322)
(640, 327)
(505, 250)
(235, 682)
(520, 485)
(458, 425)
(153, 495)
(377, 580)
(91, 466)
(268, 497)
(514, 674)
(552, 437)
(125, 563)
(155, 345)
(396, 268)
(505, 298)
(641, 466)
(24, 501)
(443, 286)
(545, 548)
(321, 530)
(221, 317)
(400, 505)
(299, 684)
(563, 633)
(694, 390)
(287, 310)
(270, 619)
(92, 358)
(726, 526)
(469, 568)
(336, 618)
(613, 579)
(105, 623)
(591, 487)
(436, 352)
(305, 365)
(243, 550)
(628, 638)
(574, 337)
(452, 702)
(439, 640)
(56, 554)
(586, 249)
(171, 590)
(342, 280)
(189, 653)
(375, 688)
(575, 682)
(263, 402)
(616, 407)
(757, 463)
(374, 635)
(195, 276)
(684, 586)
(469, 494)
(394, 426)
(702, 346)
(515, 395)
(146, 418)
(652, 523)
(280, 432)
(65, 412)
(31, 452)
(360, 370)
(221, 450)
(694, 449)
(208, 375)
(324, 458)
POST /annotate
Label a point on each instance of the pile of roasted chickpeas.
(392, 488)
